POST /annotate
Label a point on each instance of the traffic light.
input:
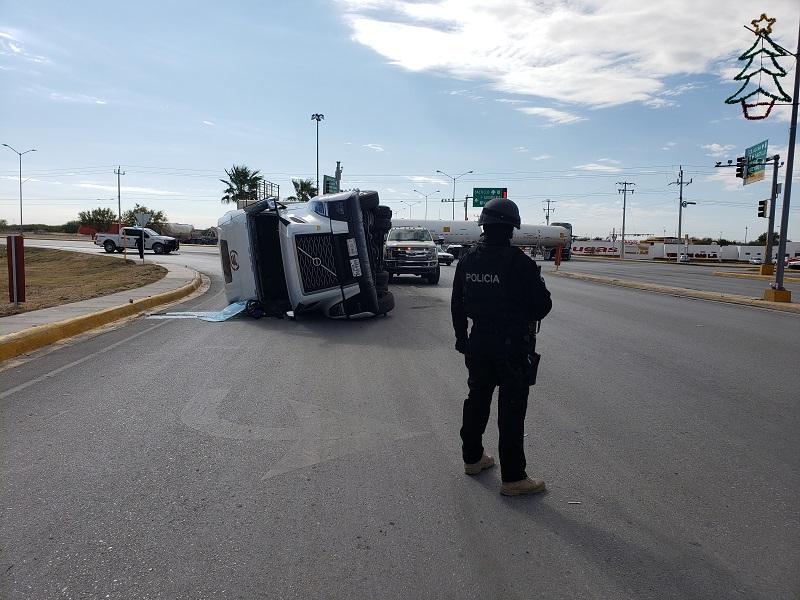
(740, 167)
(762, 208)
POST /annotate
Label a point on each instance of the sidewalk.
(32, 330)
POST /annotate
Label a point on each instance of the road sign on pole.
(755, 158)
(480, 196)
(142, 218)
(329, 185)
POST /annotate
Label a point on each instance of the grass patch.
(55, 277)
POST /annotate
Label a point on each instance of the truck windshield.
(410, 235)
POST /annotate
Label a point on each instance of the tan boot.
(523, 486)
(486, 462)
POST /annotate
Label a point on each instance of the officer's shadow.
(691, 571)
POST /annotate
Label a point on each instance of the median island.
(55, 277)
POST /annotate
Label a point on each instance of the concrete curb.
(753, 276)
(37, 337)
(684, 292)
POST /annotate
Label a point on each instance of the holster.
(532, 358)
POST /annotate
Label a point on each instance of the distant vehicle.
(755, 261)
(444, 256)
(683, 258)
(159, 244)
(793, 263)
(208, 241)
(468, 233)
(411, 251)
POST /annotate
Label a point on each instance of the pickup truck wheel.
(158, 248)
(109, 246)
(434, 278)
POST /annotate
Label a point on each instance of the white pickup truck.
(159, 244)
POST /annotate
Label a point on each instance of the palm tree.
(242, 185)
(304, 190)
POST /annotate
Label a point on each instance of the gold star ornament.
(763, 30)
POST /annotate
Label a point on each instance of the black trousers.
(486, 372)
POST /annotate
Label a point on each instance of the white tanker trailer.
(467, 233)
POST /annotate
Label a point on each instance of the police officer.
(501, 290)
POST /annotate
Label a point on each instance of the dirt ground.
(55, 277)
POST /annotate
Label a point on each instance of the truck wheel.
(383, 212)
(381, 280)
(158, 248)
(434, 278)
(382, 224)
(385, 303)
(109, 246)
(369, 200)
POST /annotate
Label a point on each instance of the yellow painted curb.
(684, 292)
(39, 336)
(753, 276)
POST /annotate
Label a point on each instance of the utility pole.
(766, 267)
(624, 191)
(338, 176)
(548, 210)
(119, 172)
(778, 293)
(681, 205)
(317, 117)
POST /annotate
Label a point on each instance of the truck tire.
(385, 303)
(382, 224)
(158, 248)
(369, 200)
(383, 212)
(109, 246)
(434, 278)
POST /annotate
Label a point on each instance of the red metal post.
(15, 255)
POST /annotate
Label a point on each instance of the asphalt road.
(321, 459)
(689, 276)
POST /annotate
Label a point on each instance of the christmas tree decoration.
(766, 51)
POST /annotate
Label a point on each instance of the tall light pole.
(20, 180)
(453, 199)
(426, 201)
(317, 117)
(681, 205)
(410, 204)
(624, 191)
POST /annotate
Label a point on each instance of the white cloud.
(555, 117)
(726, 177)
(12, 47)
(590, 52)
(423, 179)
(208, 122)
(131, 189)
(717, 150)
(598, 167)
(376, 147)
(668, 146)
(509, 101)
(541, 157)
(609, 160)
(79, 98)
(521, 149)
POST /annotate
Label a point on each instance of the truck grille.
(317, 265)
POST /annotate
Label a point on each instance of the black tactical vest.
(492, 291)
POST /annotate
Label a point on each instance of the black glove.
(461, 345)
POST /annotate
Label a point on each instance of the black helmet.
(500, 211)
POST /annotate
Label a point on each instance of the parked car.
(793, 263)
(682, 258)
(755, 261)
(444, 256)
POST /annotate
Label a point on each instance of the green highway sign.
(755, 156)
(329, 185)
(480, 196)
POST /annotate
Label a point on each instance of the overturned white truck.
(326, 255)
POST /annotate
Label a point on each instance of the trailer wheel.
(109, 246)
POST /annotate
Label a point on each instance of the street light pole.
(409, 204)
(317, 117)
(454, 188)
(426, 200)
(681, 205)
(20, 180)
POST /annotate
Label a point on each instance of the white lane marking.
(75, 363)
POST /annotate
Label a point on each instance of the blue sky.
(550, 99)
